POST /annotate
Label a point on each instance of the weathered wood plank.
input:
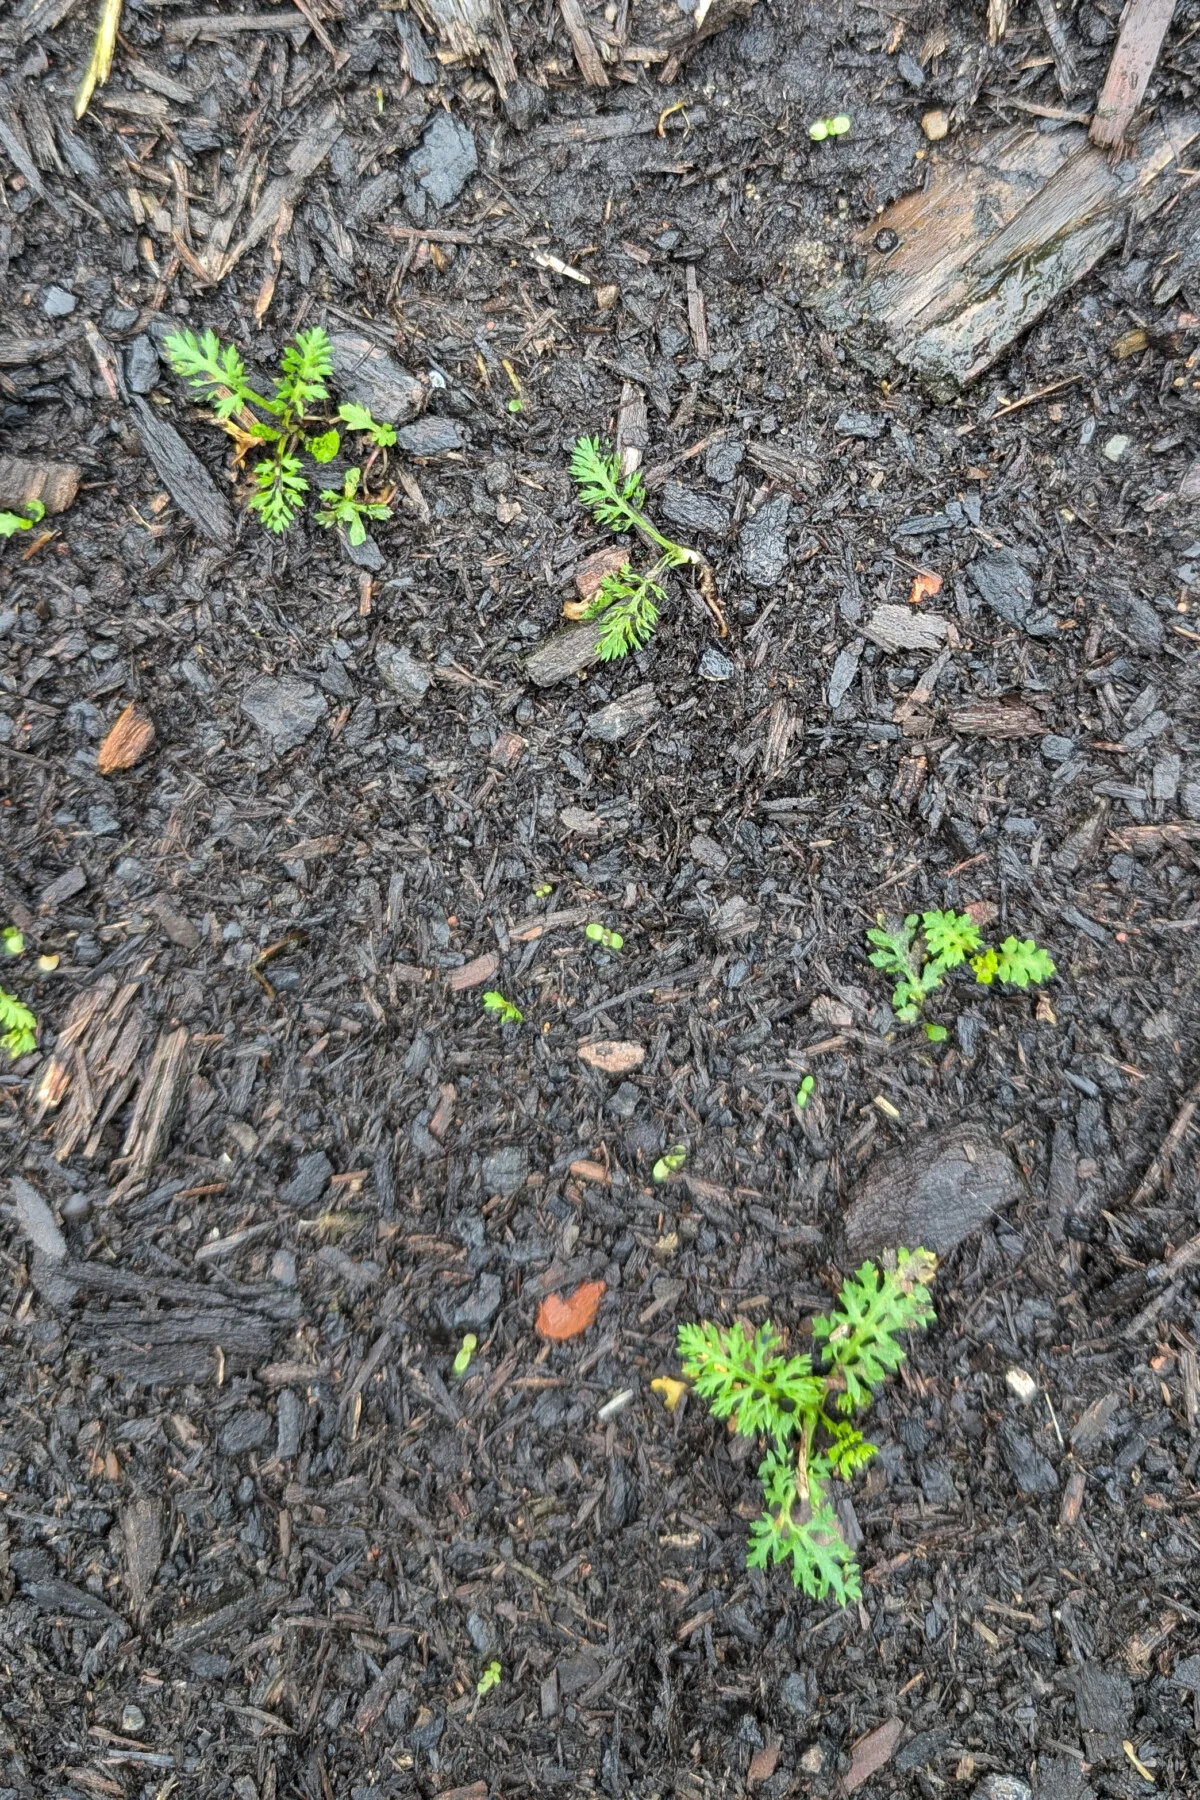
(993, 241)
(1141, 38)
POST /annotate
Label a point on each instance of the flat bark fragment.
(183, 475)
(473, 29)
(566, 653)
(54, 484)
(995, 238)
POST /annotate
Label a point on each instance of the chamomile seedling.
(668, 1164)
(804, 1092)
(462, 1361)
(507, 1013)
(834, 127)
(600, 934)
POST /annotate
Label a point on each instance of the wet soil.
(256, 1538)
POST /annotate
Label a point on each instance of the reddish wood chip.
(559, 1319)
(473, 974)
(871, 1753)
(583, 1170)
(982, 913)
(924, 587)
(762, 1763)
(127, 741)
(613, 1058)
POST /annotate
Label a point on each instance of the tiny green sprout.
(668, 1164)
(488, 1680)
(31, 514)
(540, 892)
(509, 1014)
(462, 1361)
(927, 945)
(627, 602)
(833, 127)
(937, 1034)
(804, 1092)
(515, 405)
(18, 1026)
(600, 934)
(13, 942)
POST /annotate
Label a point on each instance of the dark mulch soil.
(256, 1539)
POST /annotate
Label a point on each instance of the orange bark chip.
(560, 1319)
(924, 587)
(127, 741)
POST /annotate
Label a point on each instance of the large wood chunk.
(1000, 232)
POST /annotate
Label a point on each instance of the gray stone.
(842, 674)
(764, 542)
(620, 718)
(482, 1637)
(1104, 1707)
(860, 425)
(285, 709)
(309, 1181)
(1164, 778)
(57, 303)
(36, 1220)
(1002, 1787)
(1057, 749)
(366, 373)
(524, 104)
(1189, 800)
(505, 1170)
(247, 1430)
(290, 1415)
(796, 1695)
(441, 165)
(142, 367)
(716, 667)
(406, 676)
(722, 460)
(910, 70)
(623, 1102)
(283, 1268)
(430, 436)
(694, 512)
(1032, 1472)
(1005, 584)
(933, 1193)
(481, 1305)
(1137, 617)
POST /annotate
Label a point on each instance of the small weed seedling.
(668, 1164)
(31, 514)
(489, 1679)
(927, 945)
(627, 602)
(596, 933)
(834, 127)
(804, 1092)
(462, 1361)
(506, 1012)
(804, 1415)
(294, 422)
(18, 1026)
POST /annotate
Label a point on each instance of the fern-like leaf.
(950, 937)
(875, 1305)
(626, 605)
(743, 1376)
(1018, 960)
(306, 364)
(214, 371)
(278, 491)
(18, 1026)
(614, 500)
(849, 1450)
(802, 1533)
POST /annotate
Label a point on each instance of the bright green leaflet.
(801, 1411)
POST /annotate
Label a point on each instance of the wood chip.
(21, 480)
(595, 1172)
(583, 43)
(996, 719)
(304, 159)
(899, 628)
(126, 742)
(559, 1319)
(614, 1058)
(762, 1763)
(1072, 1500)
(158, 1100)
(473, 974)
(871, 1753)
(1141, 37)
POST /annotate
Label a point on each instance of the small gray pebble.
(715, 667)
(142, 367)
(57, 302)
(283, 1268)
(132, 1719)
